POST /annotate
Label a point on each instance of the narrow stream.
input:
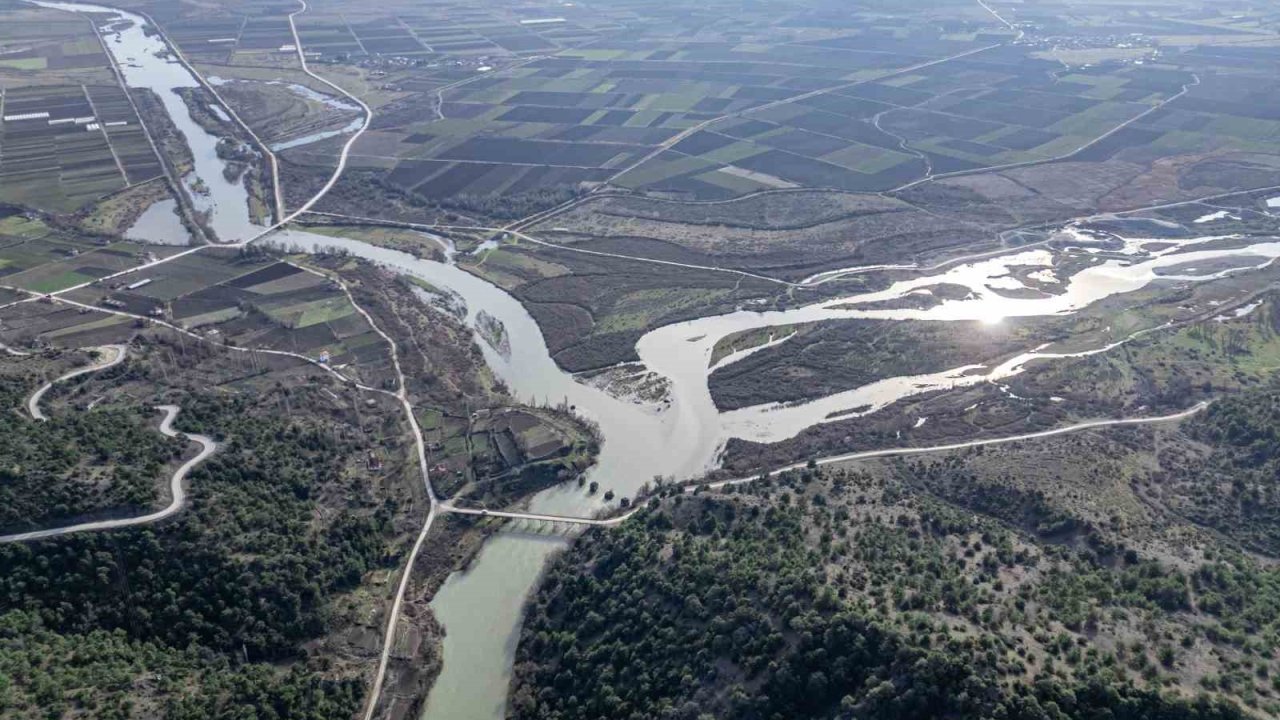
(147, 62)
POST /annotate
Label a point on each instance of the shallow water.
(330, 101)
(351, 127)
(160, 224)
(482, 610)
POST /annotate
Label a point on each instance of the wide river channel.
(480, 608)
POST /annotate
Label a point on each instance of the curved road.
(393, 615)
(521, 235)
(111, 356)
(177, 490)
(324, 190)
(13, 351)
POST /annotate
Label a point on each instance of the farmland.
(63, 147)
(49, 47)
(583, 117)
(976, 127)
(521, 102)
(862, 110)
(249, 301)
(70, 137)
(40, 259)
(934, 132)
(254, 299)
(1200, 144)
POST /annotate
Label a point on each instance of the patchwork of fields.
(436, 34)
(242, 299)
(68, 133)
(586, 116)
(852, 102)
(62, 147)
(33, 39)
(992, 108)
(39, 259)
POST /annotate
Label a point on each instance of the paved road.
(346, 147)
(406, 573)
(537, 217)
(521, 235)
(400, 394)
(324, 190)
(110, 356)
(177, 491)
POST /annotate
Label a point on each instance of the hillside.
(952, 586)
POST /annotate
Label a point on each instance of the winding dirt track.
(177, 490)
(898, 452)
(112, 355)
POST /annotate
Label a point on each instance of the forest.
(1231, 482)
(204, 616)
(75, 464)
(908, 589)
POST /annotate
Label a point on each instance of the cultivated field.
(246, 300)
(69, 135)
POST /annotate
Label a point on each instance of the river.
(147, 62)
(685, 437)
(481, 607)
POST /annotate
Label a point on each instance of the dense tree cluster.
(1233, 485)
(58, 673)
(512, 206)
(75, 463)
(207, 604)
(713, 608)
